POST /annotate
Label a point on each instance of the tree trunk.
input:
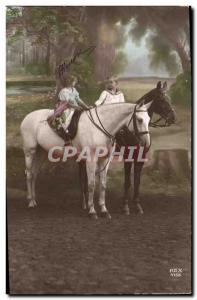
(23, 53)
(47, 58)
(104, 54)
(172, 163)
(185, 61)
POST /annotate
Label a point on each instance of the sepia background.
(54, 248)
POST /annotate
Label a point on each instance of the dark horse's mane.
(146, 98)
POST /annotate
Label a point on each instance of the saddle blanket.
(66, 128)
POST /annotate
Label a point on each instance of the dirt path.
(57, 249)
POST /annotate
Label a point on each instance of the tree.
(59, 29)
(169, 27)
(104, 29)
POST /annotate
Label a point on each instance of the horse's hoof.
(31, 204)
(105, 215)
(35, 203)
(140, 209)
(126, 211)
(93, 216)
(84, 207)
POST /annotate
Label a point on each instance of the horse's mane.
(146, 98)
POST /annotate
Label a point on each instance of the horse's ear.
(165, 85)
(141, 103)
(147, 105)
(159, 85)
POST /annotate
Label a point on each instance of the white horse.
(95, 129)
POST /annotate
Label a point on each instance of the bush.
(180, 91)
(37, 69)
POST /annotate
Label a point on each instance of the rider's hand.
(80, 108)
(51, 119)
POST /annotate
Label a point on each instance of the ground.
(56, 249)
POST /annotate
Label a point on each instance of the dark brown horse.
(161, 106)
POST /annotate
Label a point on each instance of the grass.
(136, 88)
(19, 106)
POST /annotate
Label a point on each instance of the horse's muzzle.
(144, 139)
(171, 119)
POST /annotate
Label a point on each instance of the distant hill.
(146, 78)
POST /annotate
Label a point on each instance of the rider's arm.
(122, 98)
(82, 104)
(70, 105)
(101, 98)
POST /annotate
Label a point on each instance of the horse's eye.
(140, 120)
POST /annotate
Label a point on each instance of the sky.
(139, 62)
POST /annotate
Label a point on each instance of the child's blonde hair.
(67, 79)
(112, 78)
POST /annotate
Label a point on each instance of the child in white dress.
(69, 101)
(111, 94)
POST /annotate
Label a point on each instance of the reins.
(112, 137)
(156, 125)
(101, 127)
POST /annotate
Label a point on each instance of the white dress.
(107, 97)
(71, 96)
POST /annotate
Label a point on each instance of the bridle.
(156, 123)
(137, 133)
(133, 118)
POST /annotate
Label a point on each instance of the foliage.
(180, 92)
(120, 63)
(83, 69)
(170, 26)
(58, 29)
(12, 13)
(36, 68)
(62, 29)
(162, 54)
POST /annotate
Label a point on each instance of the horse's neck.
(114, 116)
(146, 99)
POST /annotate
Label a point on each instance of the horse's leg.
(127, 185)
(137, 174)
(36, 165)
(29, 160)
(83, 184)
(91, 168)
(103, 166)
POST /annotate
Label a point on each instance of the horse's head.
(160, 103)
(139, 124)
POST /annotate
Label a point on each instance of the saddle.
(71, 131)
